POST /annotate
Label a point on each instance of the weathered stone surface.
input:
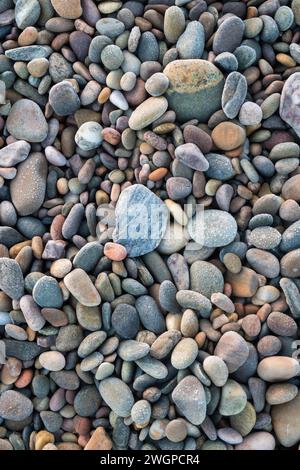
(141, 220)
(195, 89)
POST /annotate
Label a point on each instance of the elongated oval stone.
(117, 395)
(289, 108)
(28, 188)
(147, 112)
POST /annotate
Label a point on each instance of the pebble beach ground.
(149, 225)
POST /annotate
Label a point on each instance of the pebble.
(27, 13)
(63, 99)
(206, 229)
(229, 35)
(190, 155)
(117, 395)
(174, 23)
(188, 93)
(15, 406)
(190, 44)
(27, 122)
(147, 112)
(277, 394)
(89, 136)
(70, 9)
(244, 421)
(11, 278)
(278, 368)
(81, 287)
(189, 398)
(157, 84)
(228, 136)
(150, 315)
(125, 321)
(216, 369)
(47, 293)
(52, 360)
(141, 202)
(184, 353)
(233, 350)
(234, 94)
(27, 196)
(206, 278)
(233, 398)
(288, 111)
(257, 441)
(250, 114)
(285, 419)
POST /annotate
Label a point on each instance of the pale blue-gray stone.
(141, 220)
(213, 228)
(190, 44)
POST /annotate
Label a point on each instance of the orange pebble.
(24, 379)
(158, 174)
(115, 251)
(104, 95)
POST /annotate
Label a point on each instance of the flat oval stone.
(153, 367)
(82, 288)
(27, 13)
(63, 99)
(28, 53)
(117, 395)
(32, 313)
(174, 23)
(147, 112)
(233, 349)
(286, 422)
(278, 368)
(47, 293)
(191, 43)
(27, 122)
(150, 315)
(15, 406)
(229, 35)
(291, 188)
(277, 394)
(189, 398)
(234, 94)
(213, 228)
(290, 264)
(220, 167)
(257, 441)
(216, 369)
(14, 153)
(11, 278)
(132, 350)
(52, 360)
(206, 278)
(184, 353)
(69, 9)
(263, 262)
(195, 89)
(190, 155)
(141, 220)
(165, 343)
(28, 188)
(233, 398)
(125, 321)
